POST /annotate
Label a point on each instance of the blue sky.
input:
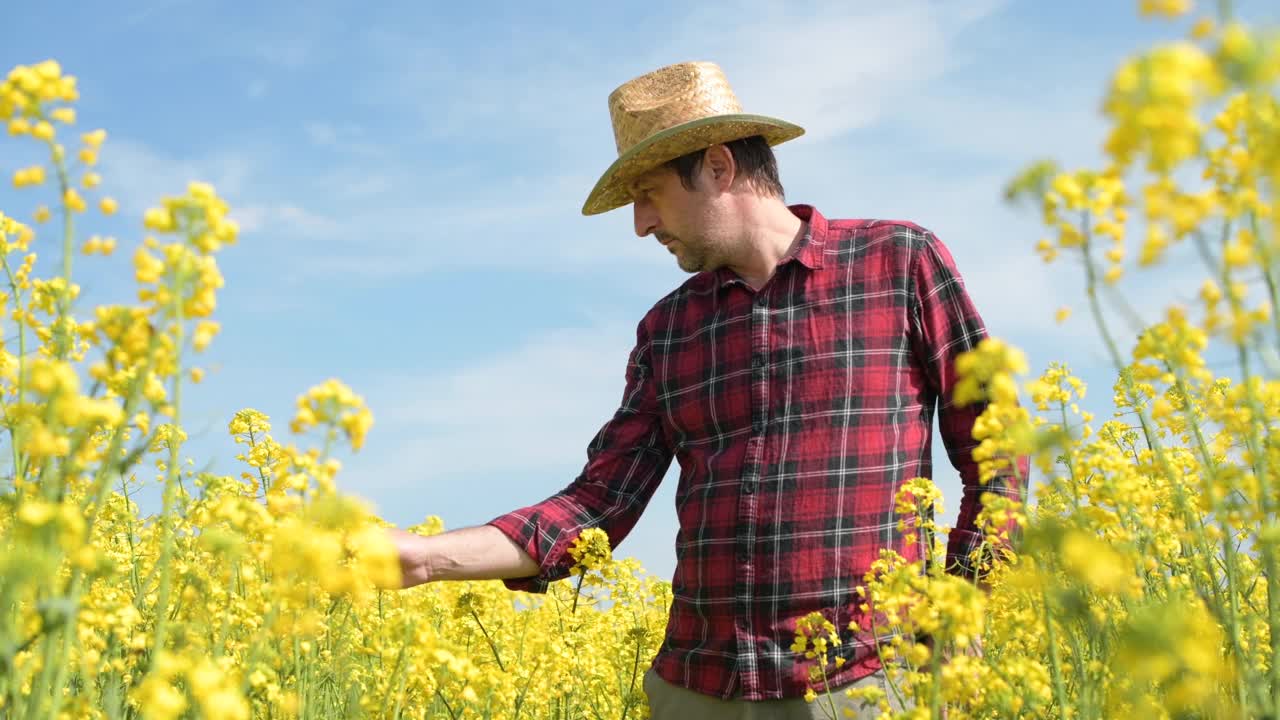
(409, 176)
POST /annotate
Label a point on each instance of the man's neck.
(772, 233)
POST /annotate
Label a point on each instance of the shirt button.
(757, 426)
(748, 487)
(761, 300)
(757, 360)
(743, 558)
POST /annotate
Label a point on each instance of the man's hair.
(753, 156)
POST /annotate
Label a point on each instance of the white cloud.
(831, 67)
(526, 408)
(855, 67)
(864, 64)
(140, 176)
(321, 133)
(290, 52)
(347, 139)
(294, 220)
(149, 11)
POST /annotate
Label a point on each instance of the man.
(794, 377)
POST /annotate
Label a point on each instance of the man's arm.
(947, 324)
(474, 553)
(527, 548)
(625, 463)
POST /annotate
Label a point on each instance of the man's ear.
(719, 167)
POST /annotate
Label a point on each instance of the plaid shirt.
(795, 411)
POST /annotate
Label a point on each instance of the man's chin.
(686, 263)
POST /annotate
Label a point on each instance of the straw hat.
(668, 113)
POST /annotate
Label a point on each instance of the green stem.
(1258, 449)
(884, 666)
(1268, 266)
(826, 691)
(171, 472)
(631, 689)
(1055, 663)
(1228, 548)
(1153, 440)
(935, 696)
(63, 340)
(489, 639)
(1224, 11)
(18, 470)
(577, 591)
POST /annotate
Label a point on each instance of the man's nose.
(645, 216)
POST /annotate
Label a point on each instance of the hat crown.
(668, 97)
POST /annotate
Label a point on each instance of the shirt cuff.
(523, 531)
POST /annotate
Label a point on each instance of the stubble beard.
(691, 258)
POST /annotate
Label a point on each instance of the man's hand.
(412, 550)
(984, 586)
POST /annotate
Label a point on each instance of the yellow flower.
(41, 442)
(918, 497)
(1167, 8)
(1237, 44)
(590, 551)
(1096, 563)
(158, 219)
(36, 512)
(43, 131)
(64, 115)
(42, 214)
(1068, 188)
(161, 701)
(1048, 251)
(147, 268)
(94, 139)
(335, 404)
(204, 333)
(29, 176)
(73, 201)
(1062, 314)
(108, 206)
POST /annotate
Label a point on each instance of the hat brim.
(611, 190)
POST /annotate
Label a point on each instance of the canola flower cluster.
(267, 594)
(1143, 581)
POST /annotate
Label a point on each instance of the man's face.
(681, 219)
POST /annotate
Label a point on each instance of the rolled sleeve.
(947, 324)
(626, 461)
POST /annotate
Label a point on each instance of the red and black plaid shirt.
(795, 411)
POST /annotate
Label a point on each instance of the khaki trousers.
(672, 702)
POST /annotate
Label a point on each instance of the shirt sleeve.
(946, 324)
(625, 463)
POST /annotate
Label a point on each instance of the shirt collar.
(813, 244)
(809, 251)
